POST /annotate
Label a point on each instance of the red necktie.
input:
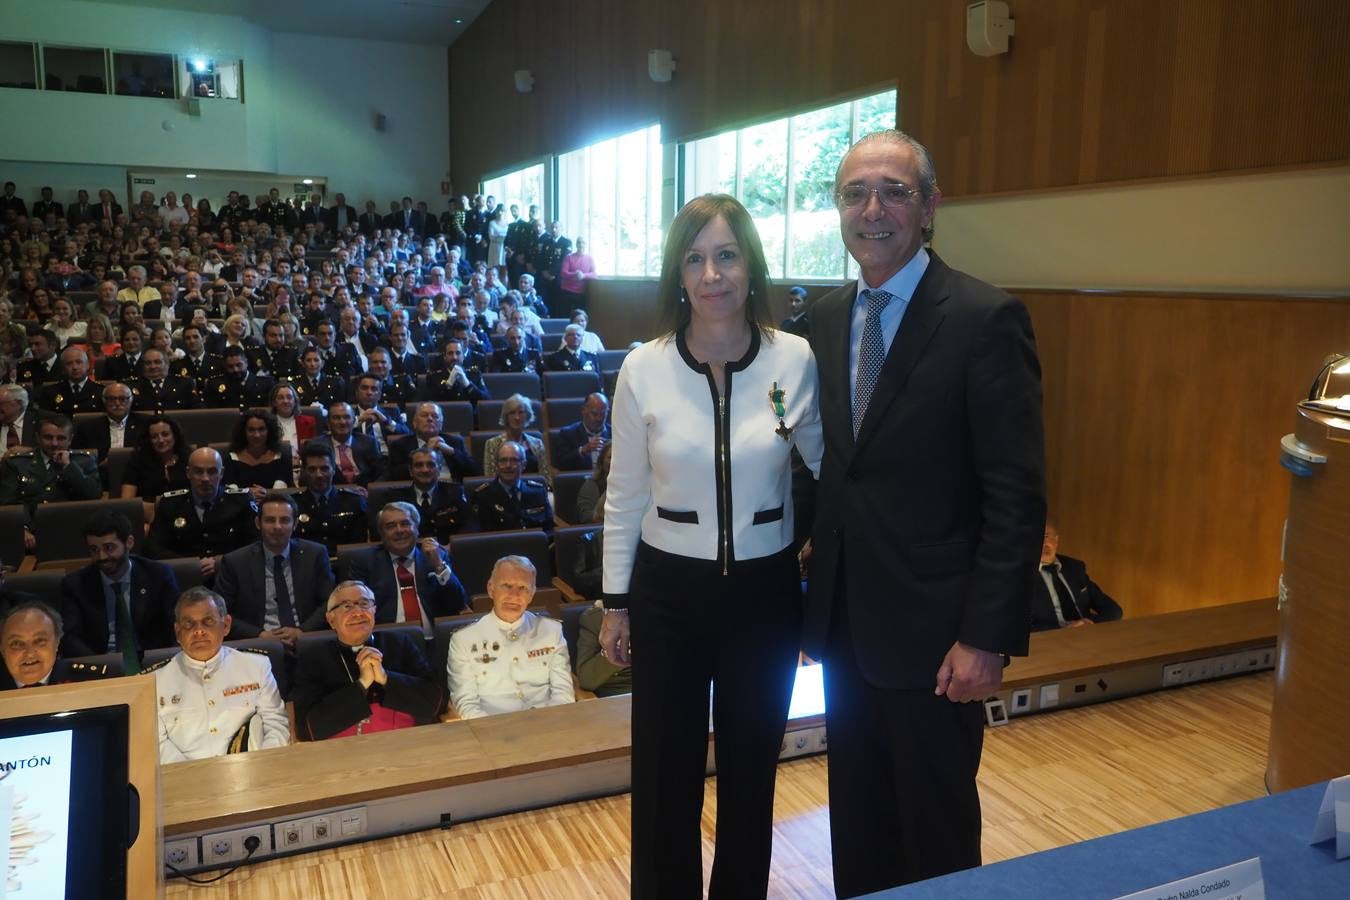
(12, 440)
(345, 464)
(407, 589)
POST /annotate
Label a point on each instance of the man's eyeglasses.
(353, 606)
(851, 196)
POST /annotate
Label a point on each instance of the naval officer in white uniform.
(510, 659)
(213, 699)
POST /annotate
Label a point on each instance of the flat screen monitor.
(67, 804)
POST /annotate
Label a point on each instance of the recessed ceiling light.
(189, 175)
(459, 21)
(307, 181)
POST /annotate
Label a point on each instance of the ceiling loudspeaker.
(988, 27)
(381, 122)
(660, 65)
(524, 81)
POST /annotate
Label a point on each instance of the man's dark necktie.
(1067, 608)
(871, 354)
(284, 611)
(125, 632)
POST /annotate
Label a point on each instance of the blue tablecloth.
(1275, 828)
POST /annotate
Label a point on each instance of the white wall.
(308, 107)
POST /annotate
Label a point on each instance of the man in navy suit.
(1065, 596)
(578, 445)
(412, 580)
(930, 510)
(260, 603)
(426, 424)
(120, 602)
(356, 455)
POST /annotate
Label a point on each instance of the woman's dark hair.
(672, 311)
(239, 439)
(180, 446)
(600, 474)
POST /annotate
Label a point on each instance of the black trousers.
(902, 764)
(693, 628)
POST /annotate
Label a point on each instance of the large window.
(783, 171)
(522, 188)
(609, 195)
(75, 69)
(17, 66)
(143, 74)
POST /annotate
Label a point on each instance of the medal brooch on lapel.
(777, 400)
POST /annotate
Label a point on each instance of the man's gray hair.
(435, 407)
(134, 269)
(342, 586)
(520, 562)
(18, 394)
(200, 594)
(928, 185)
(37, 606)
(404, 506)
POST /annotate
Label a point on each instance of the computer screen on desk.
(67, 814)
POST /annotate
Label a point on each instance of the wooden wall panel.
(1163, 419)
(1092, 91)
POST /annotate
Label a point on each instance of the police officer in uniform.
(197, 363)
(510, 502)
(75, 393)
(328, 515)
(443, 506)
(510, 659)
(314, 386)
(203, 520)
(213, 699)
(514, 357)
(156, 390)
(394, 389)
(274, 358)
(237, 389)
(570, 357)
(457, 381)
(51, 472)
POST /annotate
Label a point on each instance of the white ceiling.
(437, 22)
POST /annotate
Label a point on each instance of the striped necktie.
(871, 354)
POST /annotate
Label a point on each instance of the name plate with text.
(1240, 881)
(1333, 816)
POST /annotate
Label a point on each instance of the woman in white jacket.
(700, 570)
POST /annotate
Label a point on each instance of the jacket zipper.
(726, 476)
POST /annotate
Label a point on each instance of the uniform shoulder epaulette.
(261, 651)
(350, 489)
(81, 453)
(232, 489)
(17, 454)
(535, 482)
(180, 492)
(157, 666)
(484, 486)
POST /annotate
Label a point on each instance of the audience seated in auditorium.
(328, 515)
(317, 386)
(52, 472)
(18, 420)
(214, 700)
(441, 502)
(362, 681)
(155, 390)
(510, 659)
(206, 520)
(518, 414)
(1065, 596)
(121, 602)
(262, 604)
(426, 432)
(30, 636)
(515, 356)
(510, 501)
(41, 367)
(457, 382)
(411, 576)
(376, 416)
(578, 446)
(595, 673)
(237, 388)
(118, 427)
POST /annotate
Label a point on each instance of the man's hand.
(287, 635)
(615, 643)
(372, 669)
(968, 673)
(61, 459)
(433, 553)
(594, 444)
(370, 415)
(29, 539)
(457, 376)
(1077, 623)
(209, 566)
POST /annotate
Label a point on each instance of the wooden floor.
(1046, 781)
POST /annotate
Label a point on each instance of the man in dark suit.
(75, 393)
(427, 423)
(442, 504)
(403, 357)
(120, 602)
(18, 419)
(158, 391)
(340, 215)
(578, 445)
(41, 368)
(363, 680)
(10, 203)
(47, 205)
(119, 427)
(260, 602)
(370, 220)
(81, 210)
(929, 516)
(30, 636)
(799, 323)
(412, 580)
(357, 456)
(107, 211)
(1065, 596)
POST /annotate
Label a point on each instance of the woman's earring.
(684, 296)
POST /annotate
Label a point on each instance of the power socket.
(1021, 702)
(183, 854)
(223, 847)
